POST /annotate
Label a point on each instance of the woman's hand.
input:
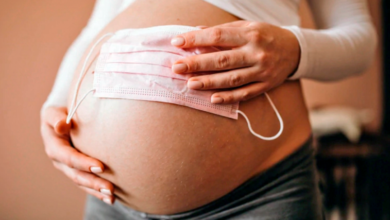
(75, 165)
(255, 58)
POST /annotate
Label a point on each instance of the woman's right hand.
(75, 165)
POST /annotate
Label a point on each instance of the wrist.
(301, 63)
(295, 52)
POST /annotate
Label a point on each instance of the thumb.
(56, 118)
(62, 128)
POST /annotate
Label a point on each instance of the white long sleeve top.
(342, 46)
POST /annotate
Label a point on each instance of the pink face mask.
(136, 64)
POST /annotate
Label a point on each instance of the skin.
(153, 162)
(75, 165)
(256, 57)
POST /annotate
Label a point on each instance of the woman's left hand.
(254, 58)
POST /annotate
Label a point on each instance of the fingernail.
(177, 41)
(106, 191)
(96, 170)
(216, 100)
(194, 84)
(179, 68)
(107, 200)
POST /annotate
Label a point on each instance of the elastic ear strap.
(277, 115)
(82, 73)
(78, 104)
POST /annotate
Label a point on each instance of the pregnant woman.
(192, 109)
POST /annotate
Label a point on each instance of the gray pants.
(288, 191)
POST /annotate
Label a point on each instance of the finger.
(56, 118)
(240, 94)
(223, 60)
(87, 179)
(225, 37)
(62, 128)
(59, 149)
(104, 198)
(230, 79)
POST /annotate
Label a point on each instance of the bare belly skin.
(165, 158)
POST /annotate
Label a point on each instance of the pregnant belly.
(165, 158)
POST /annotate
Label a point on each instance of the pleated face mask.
(136, 64)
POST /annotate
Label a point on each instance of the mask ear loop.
(277, 115)
(82, 73)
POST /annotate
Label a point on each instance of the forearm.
(344, 45)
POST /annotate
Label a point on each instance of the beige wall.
(34, 35)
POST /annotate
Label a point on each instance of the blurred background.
(34, 35)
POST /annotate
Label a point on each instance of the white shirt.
(343, 46)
